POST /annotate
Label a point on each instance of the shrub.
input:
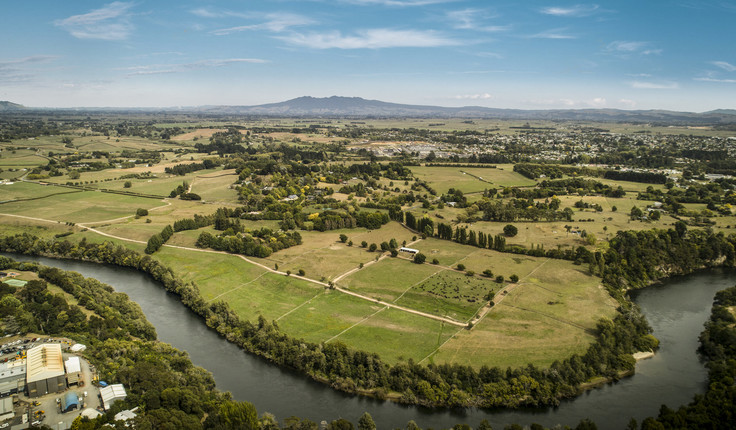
(420, 258)
(510, 230)
(499, 279)
(514, 278)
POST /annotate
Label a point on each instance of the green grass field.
(470, 180)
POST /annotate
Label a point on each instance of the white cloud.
(483, 96)
(557, 33)
(627, 103)
(664, 85)
(471, 19)
(110, 22)
(576, 11)
(724, 65)
(722, 81)
(275, 22)
(206, 13)
(371, 39)
(598, 102)
(158, 69)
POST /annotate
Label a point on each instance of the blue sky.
(675, 54)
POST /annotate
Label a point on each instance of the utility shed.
(70, 402)
(45, 370)
(12, 377)
(111, 394)
(73, 370)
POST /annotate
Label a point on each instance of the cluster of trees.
(157, 240)
(198, 221)
(34, 308)
(183, 169)
(634, 259)
(332, 220)
(555, 171)
(256, 243)
(522, 209)
(579, 186)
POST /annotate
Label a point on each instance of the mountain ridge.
(340, 106)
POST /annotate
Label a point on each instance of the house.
(411, 251)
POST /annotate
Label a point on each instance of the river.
(676, 309)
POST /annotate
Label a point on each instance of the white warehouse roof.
(111, 393)
(43, 362)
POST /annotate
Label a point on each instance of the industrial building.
(12, 377)
(45, 370)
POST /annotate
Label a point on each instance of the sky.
(653, 54)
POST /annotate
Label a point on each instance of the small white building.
(111, 394)
(411, 251)
(73, 370)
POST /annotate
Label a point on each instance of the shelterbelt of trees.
(436, 385)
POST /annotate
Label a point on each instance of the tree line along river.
(676, 310)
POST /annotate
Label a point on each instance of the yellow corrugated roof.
(43, 362)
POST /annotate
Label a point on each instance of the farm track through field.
(267, 268)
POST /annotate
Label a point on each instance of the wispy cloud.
(722, 81)
(371, 39)
(27, 60)
(20, 69)
(663, 85)
(111, 22)
(556, 33)
(471, 19)
(724, 65)
(482, 96)
(632, 47)
(275, 22)
(396, 3)
(158, 69)
(580, 10)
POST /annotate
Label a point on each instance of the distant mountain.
(356, 107)
(359, 107)
(8, 106)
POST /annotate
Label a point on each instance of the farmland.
(345, 281)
